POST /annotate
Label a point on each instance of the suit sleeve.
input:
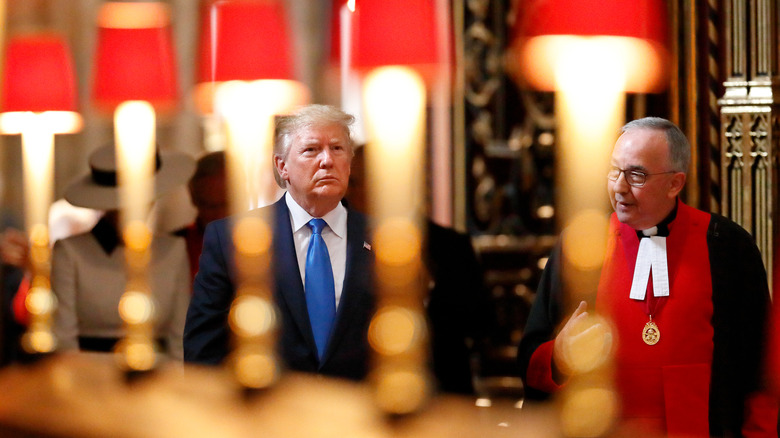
(457, 308)
(63, 281)
(536, 345)
(206, 333)
(181, 299)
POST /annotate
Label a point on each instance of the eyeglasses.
(634, 178)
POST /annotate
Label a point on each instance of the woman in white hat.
(88, 270)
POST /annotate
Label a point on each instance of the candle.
(134, 125)
(38, 162)
(395, 160)
(589, 106)
(38, 130)
(248, 110)
(395, 122)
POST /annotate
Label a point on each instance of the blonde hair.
(288, 128)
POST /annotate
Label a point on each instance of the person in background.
(66, 220)
(686, 292)
(208, 192)
(88, 269)
(322, 263)
(456, 302)
(14, 262)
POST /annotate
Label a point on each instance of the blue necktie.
(319, 286)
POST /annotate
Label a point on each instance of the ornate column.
(749, 119)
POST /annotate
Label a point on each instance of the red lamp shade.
(244, 40)
(334, 55)
(38, 75)
(397, 32)
(639, 25)
(643, 19)
(135, 58)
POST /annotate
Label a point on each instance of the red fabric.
(760, 416)
(19, 308)
(686, 396)
(398, 32)
(644, 378)
(644, 19)
(539, 374)
(774, 335)
(244, 40)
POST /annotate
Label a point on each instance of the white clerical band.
(652, 254)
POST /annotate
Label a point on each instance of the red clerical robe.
(666, 385)
(699, 378)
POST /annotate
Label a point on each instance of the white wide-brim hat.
(98, 188)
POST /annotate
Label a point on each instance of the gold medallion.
(651, 334)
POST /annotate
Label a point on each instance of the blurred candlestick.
(38, 101)
(395, 161)
(134, 124)
(245, 81)
(389, 38)
(135, 76)
(590, 57)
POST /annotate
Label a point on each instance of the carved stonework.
(733, 168)
(508, 134)
(749, 117)
(508, 151)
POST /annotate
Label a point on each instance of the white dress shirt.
(335, 236)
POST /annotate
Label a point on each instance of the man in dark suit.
(322, 263)
(456, 302)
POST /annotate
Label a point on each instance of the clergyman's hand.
(583, 344)
(561, 368)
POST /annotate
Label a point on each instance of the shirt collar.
(336, 218)
(662, 229)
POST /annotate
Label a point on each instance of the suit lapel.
(288, 276)
(356, 266)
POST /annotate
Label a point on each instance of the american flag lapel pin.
(366, 245)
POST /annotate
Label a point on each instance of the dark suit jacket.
(457, 307)
(206, 334)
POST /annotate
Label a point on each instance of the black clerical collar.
(106, 235)
(663, 226)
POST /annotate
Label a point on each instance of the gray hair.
(679, 147)
(288, 127)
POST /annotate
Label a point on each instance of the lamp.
(244, 40)
(390, 40)
(134, 58)
(401, 32)
(634, 32)
(590, 56)
(38, 101)
(135, 76)
(245, 80)
(245, 51)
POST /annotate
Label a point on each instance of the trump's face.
(317, 167)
